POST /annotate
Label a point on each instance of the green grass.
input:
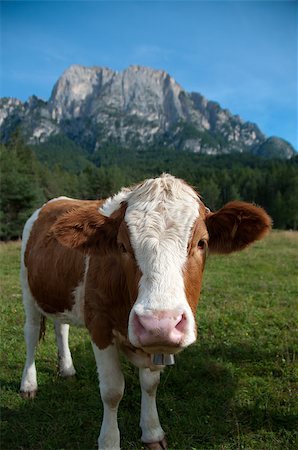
(234, 389)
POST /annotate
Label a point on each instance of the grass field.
(234, 389)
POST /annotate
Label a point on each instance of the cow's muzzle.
(162, 329)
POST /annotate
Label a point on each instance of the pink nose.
(160, 328)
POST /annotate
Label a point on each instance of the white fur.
(26, 233)
(32, 324)
(149, 422)
(31, 333)
(160, 216)
(62, 197)
(113, 203)
(66, 368)
(111, 384)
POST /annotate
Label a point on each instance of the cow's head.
(161, 231)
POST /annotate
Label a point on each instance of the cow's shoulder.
(54, 271)
(53, 209)
(40, 234)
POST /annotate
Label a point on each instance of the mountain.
(140, 108)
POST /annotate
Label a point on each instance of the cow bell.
(163, 359)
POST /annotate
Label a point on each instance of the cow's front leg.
(152, 433)
(111, 384)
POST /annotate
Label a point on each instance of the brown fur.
(194, 267)
(87, 230)
(235, 226)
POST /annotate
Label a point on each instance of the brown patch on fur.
(235, 226)
(87, 230)
(194, 266)
(107, 299)
(54, 271)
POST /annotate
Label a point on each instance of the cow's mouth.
(159, 349)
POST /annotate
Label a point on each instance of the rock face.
(138, 107)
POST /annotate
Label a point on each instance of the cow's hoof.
(161, 445)
(67, 373)
(28, 395)
(66, 368)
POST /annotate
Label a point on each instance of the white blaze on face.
(160, 216)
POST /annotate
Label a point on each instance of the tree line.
(32, 175)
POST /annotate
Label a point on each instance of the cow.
(129, 269)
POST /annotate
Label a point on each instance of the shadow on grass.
(195, 400)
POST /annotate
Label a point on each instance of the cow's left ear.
(235, 226)
(87, 230)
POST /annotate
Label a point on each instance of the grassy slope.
(235, 389)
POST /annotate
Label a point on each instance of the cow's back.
(53, 272)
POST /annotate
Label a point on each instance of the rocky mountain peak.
(74, 88)
(139, 106)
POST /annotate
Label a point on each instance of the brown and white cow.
(129, 269)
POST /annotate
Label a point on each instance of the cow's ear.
(235, 226)
(87, 230)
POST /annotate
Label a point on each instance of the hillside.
(61, 167)
(138, 108)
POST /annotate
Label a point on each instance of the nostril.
(138, 327)
(180, 326)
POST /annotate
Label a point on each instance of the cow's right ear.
(87, 230)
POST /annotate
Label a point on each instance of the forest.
(31, 175)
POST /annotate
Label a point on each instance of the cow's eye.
(202, 244)
(122, 248)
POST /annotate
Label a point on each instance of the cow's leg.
(152, 433)
(66, 368)
(111, 384)
(31, 332)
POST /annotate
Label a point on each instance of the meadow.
(236, 388)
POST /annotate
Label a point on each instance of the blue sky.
(242, 54)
